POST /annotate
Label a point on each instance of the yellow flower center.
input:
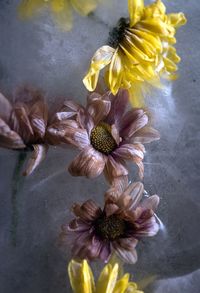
(102, 140)
(116, 35)
(110, 228)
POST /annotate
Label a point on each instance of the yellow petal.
(115, 73)
(156, 9)
(156, 26)
(81, 277)
(84, 7)
(62, 14)
(121, 284)
(101, 58)
(177, 19)
(170, 65)
(28, 8)
(132, 288)
(135, 8)
(107, 279)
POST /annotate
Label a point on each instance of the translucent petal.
(84, 7)
(101, 58)
(62, 14)
(115, 73)
(135, 8)
(28, 8)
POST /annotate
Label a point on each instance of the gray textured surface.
(38, 53)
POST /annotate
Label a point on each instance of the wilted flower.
(82, 279)
(23, 125)
(106, 134)
(125, 219)
(60, 9)
(140, 49)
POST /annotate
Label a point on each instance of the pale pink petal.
(148, 228)
(119, 184)
(114, 168)
(115, 134)
(38, 118)
(145, 135)
(128, 152)
(126, 255)
(98, 108)
(105, 252)
(88, 211)
(5, 108)
(9, 138)
(38, 155)
(89, 163)
(126, 243)
(119, 105)
(151, 202)
(133, 121)
(135, 190)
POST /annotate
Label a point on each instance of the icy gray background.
(40, 54)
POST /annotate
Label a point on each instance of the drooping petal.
(107, 279)
(84, 7)
(88, 211)
(89, 163)
(38, 155)
(9, 138)
(101, 58)
(128, 152)
(62, 14)
(145, 135)
(114, 168)
(126, 255)
(81, 277)
(135, 8)
(115, 72)
(5, 108)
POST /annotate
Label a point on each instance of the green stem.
(17, 183)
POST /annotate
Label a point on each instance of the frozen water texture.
(37, 52)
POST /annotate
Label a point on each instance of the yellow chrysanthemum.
(140, 49)
(61, 9)
(82, 280)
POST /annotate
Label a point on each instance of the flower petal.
(38, 118)
(135, 190)
(147, 228)
(88, 211)
(84, 7)
(5, 108)
(114, 168)
(9, 138)
(101, 58)
(89, 163)
(145, 135)
(128, 152)
(119, 184)
(126, 255)
(107, 279)
(115, 73)
(62, 14)
(38, 155)
(133, 121)
(151, 202)
(29, 8)
(135, 8)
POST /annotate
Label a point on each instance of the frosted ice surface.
(37, 52)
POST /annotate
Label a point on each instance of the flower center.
(110, 228)
(102, 140)
(116, 35)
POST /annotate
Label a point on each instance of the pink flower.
(23, 125)
(106, 133)
(125, 219)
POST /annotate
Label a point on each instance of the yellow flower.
(82, 280)
(61, 9)
(140, 50)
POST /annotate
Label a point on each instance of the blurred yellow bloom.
(82, 280)
(60, 9)
(140, 50)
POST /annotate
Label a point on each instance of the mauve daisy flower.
(125, 219)
(23, 125)
(106, 133)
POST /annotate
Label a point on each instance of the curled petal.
(151, 202)
(135, 8)
(147, 228)
(87, 211)
(146, 135)
(132, 122)
(89, 163)
(38, 155)
(128, 152)
(5, 108)
(101, 58)
(9, 138)
(115, 73)
(98, 108)
(177, 19)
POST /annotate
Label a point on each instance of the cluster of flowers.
(108, 133)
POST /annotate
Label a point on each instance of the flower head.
(140, 49)
(82, 279)
(106, 133)
(60, 9)
(124, 220)
(23, 125)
